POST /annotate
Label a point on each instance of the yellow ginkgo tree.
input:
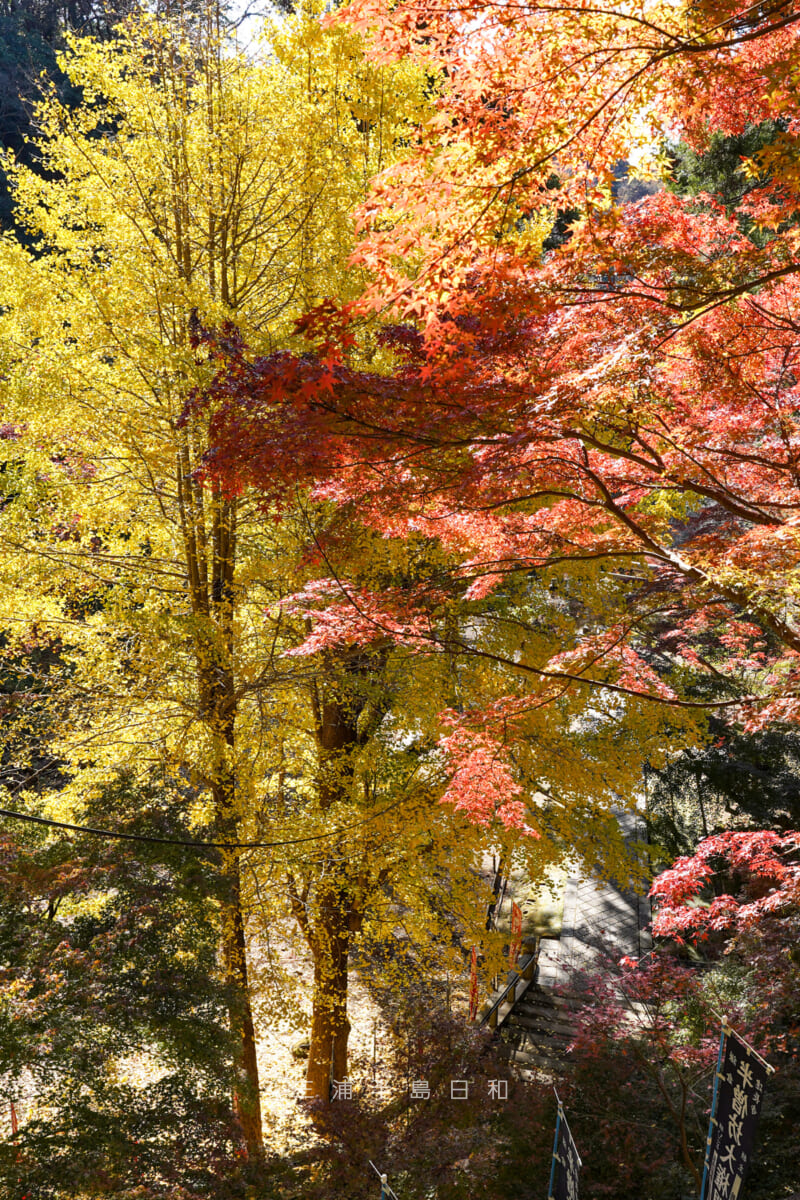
(193, 187)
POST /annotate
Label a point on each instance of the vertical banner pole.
(555, 1151)
(712, 1118)
(386, 1191)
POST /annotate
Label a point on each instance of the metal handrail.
(509, 992)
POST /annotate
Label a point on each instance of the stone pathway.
(597, 915)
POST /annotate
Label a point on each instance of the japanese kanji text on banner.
(566, 1163)
(741, 1079)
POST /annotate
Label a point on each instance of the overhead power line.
(192, 845)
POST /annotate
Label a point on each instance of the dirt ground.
(281, 1029)
(281, 1072)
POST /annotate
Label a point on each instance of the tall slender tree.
(192, 188)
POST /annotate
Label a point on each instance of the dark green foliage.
(24, 54)
(47, 19)
(113, 1019)
(737, 780)
(717, 170)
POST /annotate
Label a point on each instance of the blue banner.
(738, 1094)
(566, 1163)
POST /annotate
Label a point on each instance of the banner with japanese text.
(739, 1092)
(566, 1163)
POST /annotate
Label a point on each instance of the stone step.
(563, 1000)
(534, 1031)
(538, 1006)
(539, 1029)
(543, 1021)
(543, 999)
(540, 1048)
(526, 1059)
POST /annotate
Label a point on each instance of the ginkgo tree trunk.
(344, 719)
(397, 796)
(193, 189)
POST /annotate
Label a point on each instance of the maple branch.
(633, 18)
(509, 566)
(716, 298)
(787, 632)
(752, 35)
(588, 439)
(738, 506)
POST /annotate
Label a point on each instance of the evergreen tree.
(717, 169)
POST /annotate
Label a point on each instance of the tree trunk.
(338, 701)
(209, 535)
(330, 1027)
(246, 1096)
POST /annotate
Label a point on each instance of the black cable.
(143, 837)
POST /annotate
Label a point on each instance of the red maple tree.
(627, 398)
(730, 884)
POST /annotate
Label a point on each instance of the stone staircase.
(539, 1029)
(533, 1012)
